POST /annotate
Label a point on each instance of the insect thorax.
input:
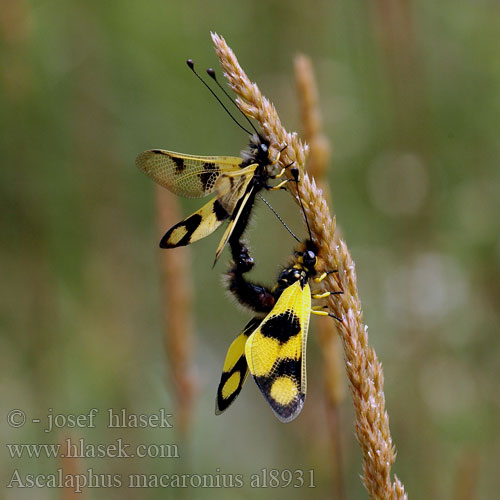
(257, 152)
(304, 268)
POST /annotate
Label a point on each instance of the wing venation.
(186, 175)
(276, 352)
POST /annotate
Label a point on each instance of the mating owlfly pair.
(272, 345)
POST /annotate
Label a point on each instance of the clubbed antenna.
(211, 74)
(190, 63)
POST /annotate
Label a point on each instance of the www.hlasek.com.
(265, 478)
(80, 448)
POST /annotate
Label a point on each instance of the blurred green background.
(410, 100)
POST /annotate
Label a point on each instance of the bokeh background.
(410, 101)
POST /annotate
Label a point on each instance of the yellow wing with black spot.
(235, 369)
(276, 352)
(198, 225)
(190, 176)
(196, 176)
(231, 186)
(232, 223)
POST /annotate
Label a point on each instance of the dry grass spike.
(363, 368)
(177, 300)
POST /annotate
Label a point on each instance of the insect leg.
(277, 159)
(282, 171)
(321, 295)
(319, 279)
(279, 186)
(324, 313)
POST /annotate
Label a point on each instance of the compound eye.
(264, 148)
(310, 255)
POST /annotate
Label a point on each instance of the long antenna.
(295, 174)
(211, 74)
(190, 63)
(279, 218)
